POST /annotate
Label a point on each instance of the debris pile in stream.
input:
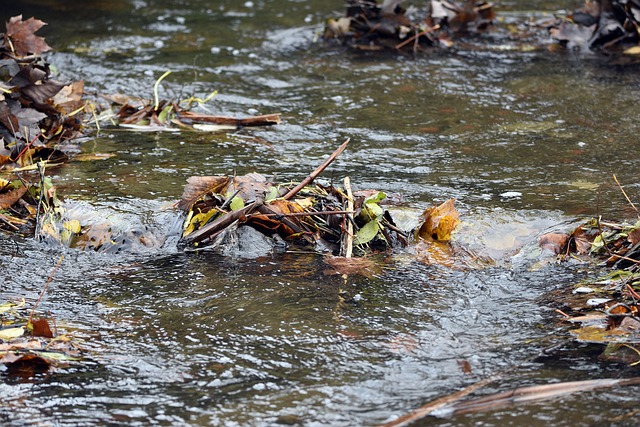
(369, 25)
(30, 345)
(35, 109)
(327, 217)
(606, 308)
(601, 24)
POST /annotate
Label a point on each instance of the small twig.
(46, 285)
(310, 213)
(625, 195)
(632, 291)
(348, 238)
(425, 410)
(313, 175)
(40, 199)
(417, 36)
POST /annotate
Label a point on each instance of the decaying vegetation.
(610, 25)
(601, 24)
(369, 25)
(606, 309)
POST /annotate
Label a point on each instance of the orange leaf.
(439, 222)
(41, 328)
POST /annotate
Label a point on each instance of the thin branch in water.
(313, 175)
(625, 194)
(46, 285)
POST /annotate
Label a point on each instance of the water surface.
(526, 141)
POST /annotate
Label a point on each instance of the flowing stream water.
(525, 140)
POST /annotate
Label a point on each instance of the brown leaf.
(27, 364)
(581, 240)
(7, 119)
(199, 185)
(554, 242)
(439, 222)
(70, 97)
(23, 38)
(41, 328)
(353, 266)
(634, 236)
(9, 198)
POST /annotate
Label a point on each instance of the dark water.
(524, 140)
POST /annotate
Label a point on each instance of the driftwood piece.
(264, 120)
(454, 406)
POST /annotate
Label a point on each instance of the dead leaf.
(439, 222)
(554, 242)
(9, 198)
(41, 328)
(27, 365)
(352, 266)
(23, 38)
(69, 98)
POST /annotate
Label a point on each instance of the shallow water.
(525, 141)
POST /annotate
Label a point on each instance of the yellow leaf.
(73, 226)
(439, 222)
(11, 333)
(198, 220)
(635, 50)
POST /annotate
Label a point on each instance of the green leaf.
(367, 233)
(272, 194)
(376, 198)
(164, 114)
(236, 203)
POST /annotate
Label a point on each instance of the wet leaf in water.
(11, 333)
(27, 364)
(41, 328)
(439, 222)
(90, 157)
(367, 233)
(353, 266)
(554, 242)
(601, 335)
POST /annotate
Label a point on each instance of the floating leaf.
(41, 328)
(11, 333)
(439, 222)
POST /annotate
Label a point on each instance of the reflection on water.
(523, 141)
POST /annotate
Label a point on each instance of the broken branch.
(313, 175)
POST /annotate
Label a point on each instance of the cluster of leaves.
(28, 345)
(601, 24)
(35, 109)
(317, 216)
(607, 308)
(372, 26)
